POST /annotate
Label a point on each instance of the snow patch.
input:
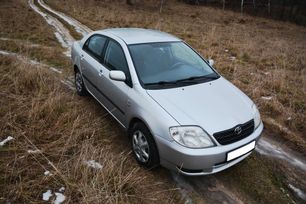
(267, 98)
(56, 70)
(298, 192)
(68, 83)
(93, 164)
(9, 138)
(232, 58)
(79, 27)
(47, 195)
(48, 173)
(29, 61)
(34, 151)
(60, 39)
(61, 33)
(25, 42)
(59, 198)
(266, 148)
(4, 52)
(67, 53)
(62, 189)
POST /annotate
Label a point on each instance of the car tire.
(143, 146)
(79, 84)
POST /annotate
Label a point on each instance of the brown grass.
(38, 111)
(270, 55)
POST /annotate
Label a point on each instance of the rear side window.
(95, 45)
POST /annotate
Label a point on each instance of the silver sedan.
(177, 110)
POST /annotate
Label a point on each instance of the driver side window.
(115, 59)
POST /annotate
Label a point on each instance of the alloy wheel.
(78, 82)
(141, 146)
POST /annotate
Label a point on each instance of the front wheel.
(79, 84)
(143, 146)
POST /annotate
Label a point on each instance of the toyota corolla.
(177, 110)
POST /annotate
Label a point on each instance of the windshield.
(169, 63)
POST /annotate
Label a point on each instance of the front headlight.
(256, 114)
(191, 136)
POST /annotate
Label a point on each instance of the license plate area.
(240, 151)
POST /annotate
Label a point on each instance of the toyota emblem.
(238, 130)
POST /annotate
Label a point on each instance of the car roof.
(140, 35)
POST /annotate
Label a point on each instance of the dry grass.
(16, 18)
(269, 55)
(40, 113)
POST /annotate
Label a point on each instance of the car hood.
(215, 106)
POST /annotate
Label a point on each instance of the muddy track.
(209, 187)
(79, 27)
(61, 33)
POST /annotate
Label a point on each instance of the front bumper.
(195, 162)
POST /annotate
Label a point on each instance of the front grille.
(229, 136)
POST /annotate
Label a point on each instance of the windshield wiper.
(161, 83)
(189, 80)
(193, 78)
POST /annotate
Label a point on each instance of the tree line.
(292, 10)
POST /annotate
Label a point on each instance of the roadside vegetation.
(56, 133)
(264, 58)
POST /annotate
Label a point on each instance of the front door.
(115, 91)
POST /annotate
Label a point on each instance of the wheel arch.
(135, 120)
(75, 68)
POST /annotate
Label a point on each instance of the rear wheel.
(143, 146)
(79, 84)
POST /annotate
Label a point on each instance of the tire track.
(68, 81)
(272, 149)
(61, 33)
(79, 27)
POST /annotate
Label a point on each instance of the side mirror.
(117, 75)
(211, 62)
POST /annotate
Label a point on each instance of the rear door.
(91, 64)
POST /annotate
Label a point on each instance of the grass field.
(264, 58)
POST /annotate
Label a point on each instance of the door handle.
(82, 57)
(100, 72)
